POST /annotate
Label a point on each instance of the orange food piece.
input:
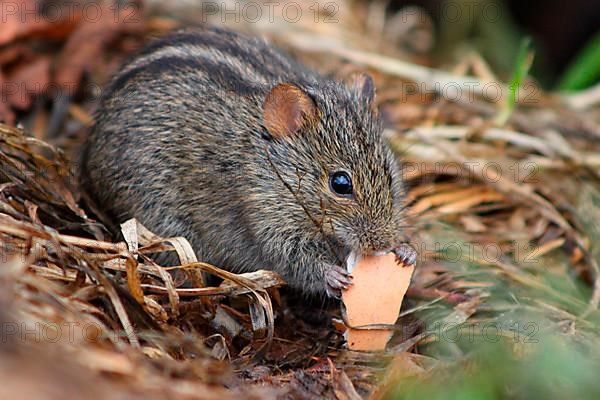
(374, 298)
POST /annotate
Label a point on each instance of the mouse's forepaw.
(405, 255)
(337, 279)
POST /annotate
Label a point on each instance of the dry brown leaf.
(92, 36)
(444, 198)
(21, 19)
(27, 82)
(487, 196)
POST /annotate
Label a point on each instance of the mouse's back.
(187, 102)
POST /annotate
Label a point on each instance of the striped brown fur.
(180, 142)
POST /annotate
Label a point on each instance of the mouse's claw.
(405, 255)
(337, 279)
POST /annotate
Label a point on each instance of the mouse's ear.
(287, 109)
(363, 85)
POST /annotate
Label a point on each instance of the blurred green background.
(565, 35)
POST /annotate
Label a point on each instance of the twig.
(584, 99)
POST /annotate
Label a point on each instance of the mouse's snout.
(378, 249)
(368, 236)
(375, 241)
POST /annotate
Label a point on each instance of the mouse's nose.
(378, 249)
(376, 238)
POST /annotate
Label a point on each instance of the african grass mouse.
(258, 161)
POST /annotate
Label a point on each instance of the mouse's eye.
(341, 184)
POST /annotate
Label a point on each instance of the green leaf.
(584, 71)
(522, 65)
